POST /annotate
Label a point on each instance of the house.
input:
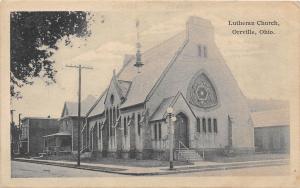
(186, 72)
(271, 131)
(32, 131)
(65, 139)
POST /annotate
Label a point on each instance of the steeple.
(138, 62)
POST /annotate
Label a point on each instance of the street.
(282, 170)
(29, 170)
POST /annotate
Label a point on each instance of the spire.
(138, 62)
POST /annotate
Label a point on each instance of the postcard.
(149, 94)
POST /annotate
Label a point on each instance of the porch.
(58, 143)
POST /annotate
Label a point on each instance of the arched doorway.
(181, 132)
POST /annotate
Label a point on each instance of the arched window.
(159, 131)
(198, 125)
(112, 99)
(118, 111)
(215, 126)
(113, 120)
(204, 125)
(139, 124)
(125, 126)
(209, 125)
(110, 121)
(155, 131)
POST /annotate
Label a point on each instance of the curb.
(166, 171)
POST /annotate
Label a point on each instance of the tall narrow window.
(204, 125)
(114, 121)
(198, 125)
(199, 50)
(139, 124)
(215, 126)
(110, 121)
(209, 125)
(205, 51)
(99, 128)
(118, 112)
(125, 126)
(155, 131)
(159, 131)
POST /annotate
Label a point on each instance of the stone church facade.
(187, 73)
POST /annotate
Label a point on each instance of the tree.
(33, 40)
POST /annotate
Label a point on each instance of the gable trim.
(95, 104)
(175, 100)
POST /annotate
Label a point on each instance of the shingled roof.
(155, 60)
(136, 86)
(71, 108)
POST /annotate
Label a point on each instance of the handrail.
(179, 148)
(180, 143)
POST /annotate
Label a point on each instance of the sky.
(261, 65)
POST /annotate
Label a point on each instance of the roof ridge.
(163, 42)
(150, 49)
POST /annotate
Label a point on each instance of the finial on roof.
(138, 62)
(114, 72)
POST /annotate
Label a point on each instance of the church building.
(187, 73)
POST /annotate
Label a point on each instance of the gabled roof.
(72, 107)
(161, 112)
(162, 108)
(155, 60)
(271, 118)
(98, 107)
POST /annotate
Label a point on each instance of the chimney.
(199, 29)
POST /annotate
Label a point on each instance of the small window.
(112, 99)
(215, 126)
(159, 131)
(199, 50)
(198, 125)
(204, 125)
(205, 51)
(209, 125)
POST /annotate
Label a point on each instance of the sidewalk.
(141, 171)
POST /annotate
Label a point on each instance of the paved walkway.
(129, 170)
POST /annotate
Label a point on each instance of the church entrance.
(181, 133)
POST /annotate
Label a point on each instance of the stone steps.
(188, 155)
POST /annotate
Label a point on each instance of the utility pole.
(79, 67)
(12, 115)
(20, 120)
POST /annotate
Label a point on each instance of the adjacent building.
(186, 72)
(271, 131)
(32, 131)
(65, 139)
